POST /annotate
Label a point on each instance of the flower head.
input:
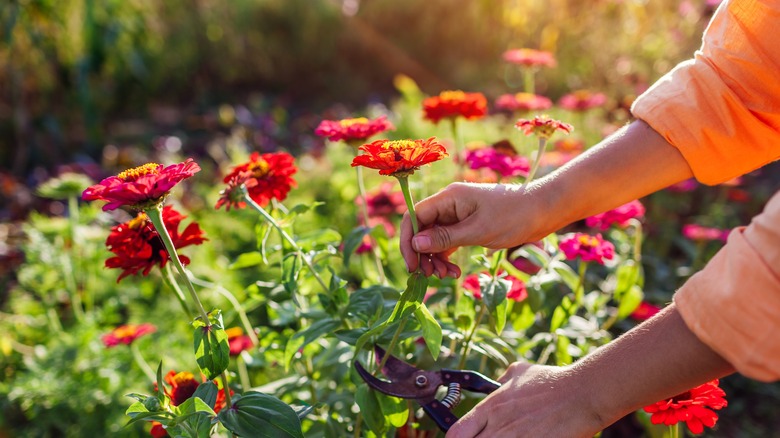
(582, 100)
(238, 341)
(542, 126)
(453, 104)
(695, 407)
(266, 177)
(587, 247)
(183, 386)
(399, 158)
(138, 248)
(620, 216)
(140, 187)
(66, 185)
(493, 159)
(645, 311)
(126, 334)
(383, 201)
(699, 233)
(158, 431)
(348, 130)
(522, 102)
(529, 58)
(516, 293)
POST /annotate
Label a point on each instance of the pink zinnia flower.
(384, 201)
(126, 334)
(685, 186)
(504, 165)
(695, 407)
(587, 248)
(582, 100)
(355, 129)
(522, 102)
(619, 216)
(529, 58)
(140, 187)
(699, 233)
(516, 293)
(542, 126)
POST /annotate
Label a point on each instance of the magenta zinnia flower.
(695, 407)
(699, 233)
(542, 126)
(140, 187)
(582, 100)
(522, 102)
(350, 130)
(619, 216)
(504, 165)
(126, 334)
(587, 248)
(529, 58)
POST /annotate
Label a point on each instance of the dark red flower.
(183, 386)
(645, 311)
(695, 407)
(529, 58)
(516, 293)
(384, 201)
(138, 248)
(542, 126)
(453, 104)
(399, 158)
(158, 431)
(582, 100)
(351, 130)
(238, 341)
(587, 248)
(140, 187)
(126, 334)
(266, 177)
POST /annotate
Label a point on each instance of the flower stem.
(155, 215)
(243, 374)
(286, 237)
(226, 389)
(236, 305)
(392, 345)
(141, 362)
(73, 222)
(374, 249)
(171, 282)
(456, 140)
(404, 181)
(579, 294)
(467, 342)
(537, 160)
(528, 80)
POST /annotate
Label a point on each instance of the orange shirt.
(722, 111)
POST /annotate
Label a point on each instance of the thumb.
(440, 238)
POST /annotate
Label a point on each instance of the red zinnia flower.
(695, 407)
(238, 341)
(399, 158)
(699, 233)
(138, 248)
(529, 58)
(353, 129)
(158, 431)
(542, 126)
(140, 187)
(645, 311)
(384, 201)
(516, 293)
(126, 334)
(504, 165)
(582, 100)
(619, 216)
(522, 102)
(452, 104)
(183, 386)
(265, 176)
(586, 247)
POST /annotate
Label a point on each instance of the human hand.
(533, 401)
(495, 216)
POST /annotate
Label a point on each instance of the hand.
(533, 401)
(495, 216)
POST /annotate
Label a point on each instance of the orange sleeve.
(722, 108)
(733, 304)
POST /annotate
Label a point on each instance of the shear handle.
(469, 380)
(440, 414)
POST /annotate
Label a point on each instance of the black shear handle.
(440, 414)
(470, 381)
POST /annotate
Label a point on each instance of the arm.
(636, 159)
(655, 360)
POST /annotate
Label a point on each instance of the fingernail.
(421, 243)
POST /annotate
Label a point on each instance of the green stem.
(358, 425)
(374, 247)
(73, 222)
(579, 294)
(141, 362)
(404, 181)
(155, 215)
(171, 282)
(236, 305)
(529, 85)
(674, 430)
(392, 345)
(456, 141)
(70, 285)
(243, 374)
(286, 237)
(226, 389)
(467, 342)
(537, 160)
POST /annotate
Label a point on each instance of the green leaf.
(394, 409)
(494, 290)
(255, 414)
(212, 351)
(310, 334)
(291, 269)
(464, 314)
(207, 391)
(567, 274)
(191, 406)
(630, 301)
(523, 319)
(430, 328)
(533, 253)
(369, 303)
(319, 238)
(498, 316)
(562, 355)
(627, 277)
(353, 241)
(561, 314)
(366, 400)
(246, 260)
(416, 286)
(160, 388)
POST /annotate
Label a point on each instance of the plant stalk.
(141, 362)
(467, 342)
(374, 248)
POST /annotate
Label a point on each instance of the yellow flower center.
(125, 331)
(234, 332)
(183, 377)
(346, 123)
(452, 95)
(582, 94)
(524, 97)
(137, 222)
(259, 168)
(397, 145)
(137, 172)
(589, 241)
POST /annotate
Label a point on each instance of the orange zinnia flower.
(126, 334)
(453, 104)
(140, 187)
(399, 158)
(542, 126)
(529, 58)
(359, 128)
(695, 407)
(266, 177)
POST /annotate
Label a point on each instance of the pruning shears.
(406, 381)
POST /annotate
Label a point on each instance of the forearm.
(633, 163)
(656, 360)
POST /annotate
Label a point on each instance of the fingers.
(469, 426)
(409, 254)
(516, 369)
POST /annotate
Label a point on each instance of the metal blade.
(383, 386)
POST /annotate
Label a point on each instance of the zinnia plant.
(529, 60)
(454, 104)
(265, 176)
(694, 407)
(127, 334)
(620, 216)
(505, 165)
(522, 102)
(543, 127)
(352, 131)
(582, 100)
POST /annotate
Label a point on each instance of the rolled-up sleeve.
(733, 304)
(722, 108)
